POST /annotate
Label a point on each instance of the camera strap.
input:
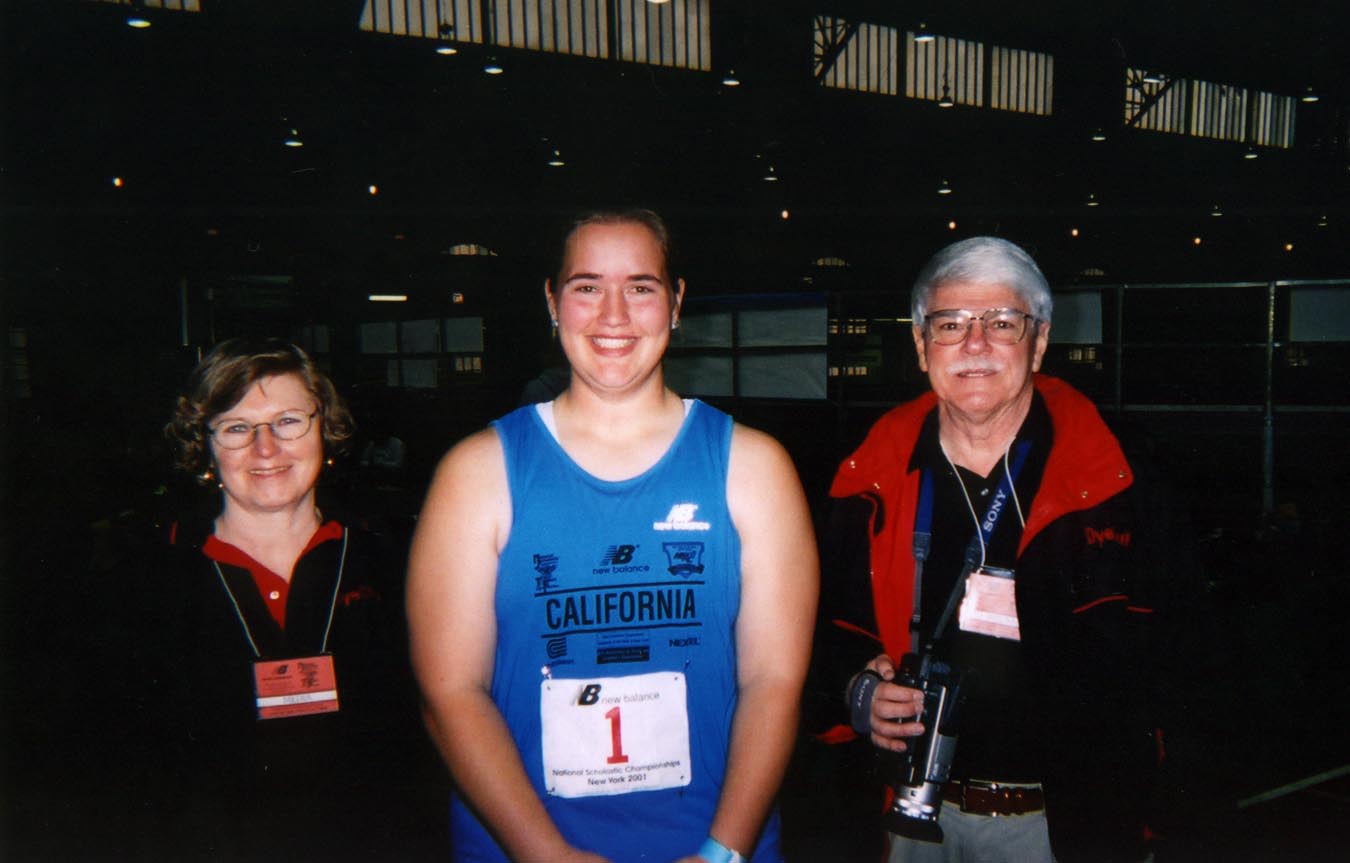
(923, 541)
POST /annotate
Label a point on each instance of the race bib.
(613, 735)
(990, 605)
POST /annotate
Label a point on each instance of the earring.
(674, 324)
(555, 328)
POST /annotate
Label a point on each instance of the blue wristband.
(715, 852)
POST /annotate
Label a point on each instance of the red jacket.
(1100, 572)
(1086, 467)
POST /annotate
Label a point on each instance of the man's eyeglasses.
(291, 425)
(1001, 326)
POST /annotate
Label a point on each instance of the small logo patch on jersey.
(681, 517)
(618, 554)
(686, 558)
(545, 564)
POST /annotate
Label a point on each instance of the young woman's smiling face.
(613, 306)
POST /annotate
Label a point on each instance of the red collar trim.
(274, 589)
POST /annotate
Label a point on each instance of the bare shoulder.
(469, 490)
(476, 464)
(754, 451)
(762, 483)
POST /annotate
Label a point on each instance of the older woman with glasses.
(269, 694)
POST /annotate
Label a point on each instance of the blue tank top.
(615, 666)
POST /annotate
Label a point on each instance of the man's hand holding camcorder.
(893, 704)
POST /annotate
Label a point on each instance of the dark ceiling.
(191, 113)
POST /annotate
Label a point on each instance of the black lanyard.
(923, 539)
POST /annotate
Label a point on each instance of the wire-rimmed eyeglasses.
(1001, 326)
(291, 425)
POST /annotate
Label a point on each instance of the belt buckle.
(976, 785)
(999, 799)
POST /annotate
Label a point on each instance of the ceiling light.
(771, 177)
(372, 189)
(293, 139)
(492, 67)
(730, 79)
(1098, 134)
(945, 101)
(944, 188)
(1092, 200)
(1250, 153)
(922, 35)
(951, 225)
(1216, 211)
(556, 160)
(388, 298)
(1195, 241)
(784, 215)
(1288, 247)
(446, 50)
(1073, 232)
(1322, 221)
(119, 183)
(1152, 77)
(1309, 95)
(138, 23)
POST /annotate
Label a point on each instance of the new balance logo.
(681, 517)
(618, 554)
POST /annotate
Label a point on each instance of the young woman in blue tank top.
(611, 597)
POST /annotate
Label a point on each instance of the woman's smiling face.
(613, 306)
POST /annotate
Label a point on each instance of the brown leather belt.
(990, 798)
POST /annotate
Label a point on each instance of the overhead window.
(1021, 80)
(856, 55)
(1208, 110)
(676, 33)
(1271, 120)
(171, 5)
(945, 67)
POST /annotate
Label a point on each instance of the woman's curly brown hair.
(224, 377)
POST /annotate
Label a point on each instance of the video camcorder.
(925, 765)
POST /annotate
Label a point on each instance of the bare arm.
(452, 577)
(779, 585)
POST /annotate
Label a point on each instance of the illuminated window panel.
(1271, 122)
(856, 56)
(1157, 106)
(1218, 111)
(170, 5)
(1021, 81)
(1208, 110)
(459, 20)
(677, 33)
(946, 66)
(558, 26)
